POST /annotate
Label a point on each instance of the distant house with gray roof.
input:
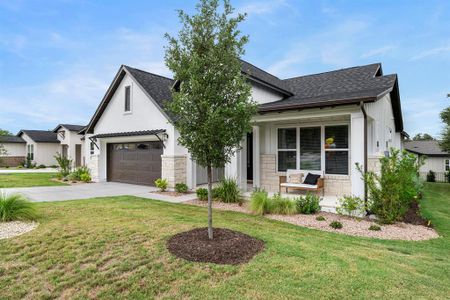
(437, 160)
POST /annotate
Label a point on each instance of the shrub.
(336, 225)
(308, 204)
(16, 207)
(431, 176)
(375, 228)
(85, 177)
(229, 192)
(215, 192)
(181, 188)
(202, 194)
(390, 193)
(260, 203)
(320, 218)
(350, 205)
(161, 184)
(64, 164)
(41, 167)
(447, 176)
(78, 172)
(282, 206)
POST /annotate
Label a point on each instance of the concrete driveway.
(93, 190)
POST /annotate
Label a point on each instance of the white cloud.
(379, 51)
(262, 7)
(431, 52)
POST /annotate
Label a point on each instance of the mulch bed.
(413, 216)
(228, 247)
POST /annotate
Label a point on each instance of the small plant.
(161, 184)
(216, 192)
(202, 194)
(181, 188)
(431, 176)
(308, 204)
(350, 205)
(64, 164)
(85, 177)
(282, 206)
(16, 207)
(320, 218)
(375, 228)
(41, 166)
(260, 203)
(229, 192)
(78, 172)
(336, 225)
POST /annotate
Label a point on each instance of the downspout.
(361, 105)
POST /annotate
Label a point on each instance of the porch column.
(235, 169)
(191, 173)
(357, 152)
(256, 158)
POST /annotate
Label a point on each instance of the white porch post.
(256, 158)
(236, 168)
(191, 173)
(357, 152)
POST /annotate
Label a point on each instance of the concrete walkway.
(93, 190)
(12, 171)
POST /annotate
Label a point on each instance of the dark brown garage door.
(138, 163)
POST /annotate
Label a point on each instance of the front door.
(250, 156)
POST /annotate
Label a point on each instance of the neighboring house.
(41, 146)
(436, 160)
(328, 122)
(15, 151)
(71, 142)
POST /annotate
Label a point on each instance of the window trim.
(92, 148)
(125, 111)
(446, 164)
(322, 144)
(337, 149)
(30, 151)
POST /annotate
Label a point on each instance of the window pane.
(310, 148)
(287, 138)
(287, 160)
(127, 98)
(336, 162)
(336, 137)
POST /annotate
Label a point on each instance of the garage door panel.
(138, 163)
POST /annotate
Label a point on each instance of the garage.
(136, 163)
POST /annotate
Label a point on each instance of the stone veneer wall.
(373, 164)
(334, 185)
(11, 161)
(174, 169)
(93, 166)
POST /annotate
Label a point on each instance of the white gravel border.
(351, 226)
(16, 228)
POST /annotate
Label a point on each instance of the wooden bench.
(317, 188)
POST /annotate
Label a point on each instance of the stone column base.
(174, 169)
(11, 161)
(93, 167)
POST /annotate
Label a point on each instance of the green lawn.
(11, 180)
(115, 248)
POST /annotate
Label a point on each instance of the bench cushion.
(298, 185)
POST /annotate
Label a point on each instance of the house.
(327, 122)
(437, 160)
(71, 141)
(15, 151)
(40, 145)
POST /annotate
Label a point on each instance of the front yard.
(115, 248)
(14, 180)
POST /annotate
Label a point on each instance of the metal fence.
(439, 176)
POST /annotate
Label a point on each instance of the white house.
(325, 122)
(71, 141)
(436, 160)
(41, 146)
(15, 151)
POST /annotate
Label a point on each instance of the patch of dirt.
(171, 193)
(228, 247)
(413, 216)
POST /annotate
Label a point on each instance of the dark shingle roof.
(130, 133)
(11, 139)
(40, 136)
(70, 127)
(429, 148)
(257, 74)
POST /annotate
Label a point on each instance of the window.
(287, 149)
(127, 98)
(30, 151)
(447, 164)
(91, 148)
(310, 149)
(336, 150)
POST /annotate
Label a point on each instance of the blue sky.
(57, 58)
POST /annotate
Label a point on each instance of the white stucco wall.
(71, 139)
(262, 94)
(43, 152)
(14, 149)
(435, 164)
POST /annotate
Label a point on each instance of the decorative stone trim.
(269, 175)
(337, 185)
(374, 164)
(93, 166)
(11, 161)
(174, 169)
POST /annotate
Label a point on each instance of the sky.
(57, 58)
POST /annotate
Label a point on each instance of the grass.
(115, 248)
(13, 180)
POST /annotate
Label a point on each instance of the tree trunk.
(210, 228)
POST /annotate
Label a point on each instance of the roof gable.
(11, 139)
(40, 136)
(429, 148)
(70, 127)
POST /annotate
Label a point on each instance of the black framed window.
(336, 150)
(127, 98)
(310, 148)
(287, 149)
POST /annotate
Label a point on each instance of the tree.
(445, 136)
(211, 100)
(5, 132)
(423, 137)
